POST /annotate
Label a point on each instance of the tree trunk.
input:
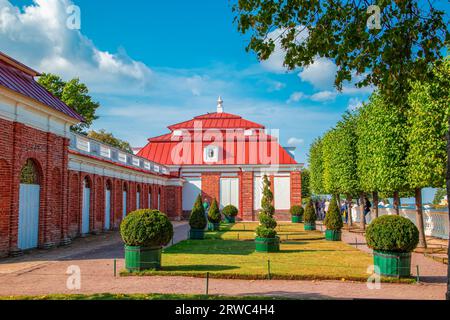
(349, 210)
(448, 197)
(397, 203)
(419, 218)
(361, 210)
(375, 203)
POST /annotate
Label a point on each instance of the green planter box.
(297, 219)
(392, 264)
(267, 244)
(230, 219)
(310, 226)
(196, 234)
(142, 258)
(333, 235)
(213, 226)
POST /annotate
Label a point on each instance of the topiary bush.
(146, 228)
(267, 220)
(197, 220)
(230, 211)
(264, 232)
(333, 219)
(214, 215)
(392, 233)
(297, 211)
(310, 214)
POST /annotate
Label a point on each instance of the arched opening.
(86, 207)
(138, 197)
(124, 200)
(29, 205)
(108, 192)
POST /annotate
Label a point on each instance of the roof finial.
(220, 105)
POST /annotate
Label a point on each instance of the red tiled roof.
(217, 121)
(19, 78)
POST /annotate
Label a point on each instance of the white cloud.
(354, 104)
(321, 73)
(296, 97)
(324, 96)
(293, 141)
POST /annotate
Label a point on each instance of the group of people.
(322, 205)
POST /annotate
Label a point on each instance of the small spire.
(220, 105)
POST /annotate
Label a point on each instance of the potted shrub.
(310, 217)
(230, 212)
(266, 236)
(297, 214)
(392, 239)
(214, 217)
(333, 222)
(197, 220)
(145, 232)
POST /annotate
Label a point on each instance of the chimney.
(220, 105)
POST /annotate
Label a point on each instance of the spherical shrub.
(264, 232)
(297, 211)
(310, 214)
(197, 220)
(267, 220)
(333, 219)
(230, 211)
(146, 228)
(214, 213)
(392, 233)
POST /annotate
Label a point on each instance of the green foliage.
(214, 215)
(297, 211)
(146, 228)
(75, 94)
(330, 161)
(392, 233)
(315, 160)
(267, 197)
(197, 220)
(428, 126)
(310, 214)
(264, 232)
(306, 183)
(267, 220)
(333, 219)
(439, 196)
(230, 211)
(108, 138)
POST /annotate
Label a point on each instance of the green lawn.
(305, 256)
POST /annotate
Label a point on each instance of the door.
(29, 198)
(282, 193)
(191, 189)
(124, 204)
(229, 192)
(107, 209)
(86, 208)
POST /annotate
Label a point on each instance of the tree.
(439, 196)
(315, 160)
(306, 181)
(75, 94)
(330, 162)
(109, 138)
(411, 36)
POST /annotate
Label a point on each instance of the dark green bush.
(214, 215)
(267, 221)
(310, 214)
(230, 211)
(264, 232)
(392, 233)
(146, 228)
(197, 220)
(333, 219)
(297, 211)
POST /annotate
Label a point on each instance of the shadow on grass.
(198, 268)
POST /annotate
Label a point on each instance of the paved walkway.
(45, 273)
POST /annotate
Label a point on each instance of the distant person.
(367, 207)
(206, 206)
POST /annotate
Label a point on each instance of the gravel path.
(45, 273)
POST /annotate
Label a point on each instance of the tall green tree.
(306, 184)
(315, 160)
(75, 94)
(330, 162)
(110, 139)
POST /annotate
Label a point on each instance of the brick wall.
(210, 186)
(247, 193)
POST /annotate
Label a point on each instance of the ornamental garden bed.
(312, 259)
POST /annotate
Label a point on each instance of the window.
(105, 152)
(147, 165)
(136, 162)
(211, 154)
(83, 144)
(122, 157)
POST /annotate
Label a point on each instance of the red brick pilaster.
(246, 196)
(296, 188)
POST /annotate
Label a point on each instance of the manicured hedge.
(146, 228)
(264, 232)
(230, 211)
(392, 233)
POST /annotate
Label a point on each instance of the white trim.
(237, 168)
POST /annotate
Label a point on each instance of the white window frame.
(207, 150)
(136, 162)
(105, 152)
(122, 157)
(83, 144)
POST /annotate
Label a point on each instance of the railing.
(436, 222)
(88, 146)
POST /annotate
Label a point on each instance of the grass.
(305, 256)
(110, 296)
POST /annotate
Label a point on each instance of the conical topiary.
(266, 220)
(333, 219)
(197, 220)
(267, 198)
(310, 215)
(214, 215)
